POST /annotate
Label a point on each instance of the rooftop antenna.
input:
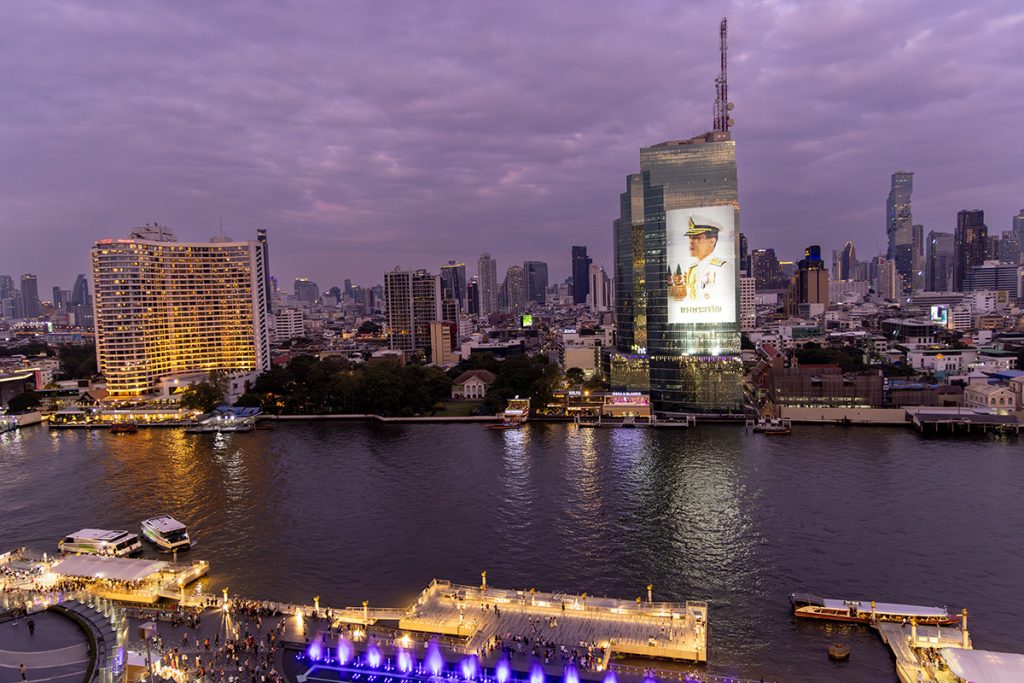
(722, 104)
(222, 227)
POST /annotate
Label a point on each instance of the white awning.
(116, 568)
(982, 665)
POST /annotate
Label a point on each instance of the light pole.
(147, 632)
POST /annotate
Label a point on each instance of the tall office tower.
(600, 290)
(306, 291)
(6, 286)
(939, 266)
(970, 244)
(810, 282)
(1018, 225)
(917, 258)
(413, 301)
(900, 226)
(487, 272)
(847, 261)
(766, 269)
(580, 275)
(536, 274)
(347, 291)
(58, 298)
(29, 296)
(453, 283)
(1009, 247)
(473, 296)
(630, 289)
(515, 289)
(744, 255)
(81, 302)
(166, 308)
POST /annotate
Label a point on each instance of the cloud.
(362, 134)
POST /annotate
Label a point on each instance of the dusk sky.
(374, 134)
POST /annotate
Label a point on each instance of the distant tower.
(722, 104)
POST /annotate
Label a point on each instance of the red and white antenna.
(722, 104)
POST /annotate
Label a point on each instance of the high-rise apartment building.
(748, 304)
(453, 283)
(536, 278)
(515, 290)
(888, 282)
(600, 290)
(487, 272)
(1018, 225)
(970, 244)
(29, 296)
(809, 284)
(473, 296)
(165, 308)
(1009, 247)
(939, 266)
(580, 275)
(413, 301)
(58, 299)
(744, 255)
(630, 283)
(900, 226)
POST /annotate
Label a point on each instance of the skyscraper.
(453, 283)
(847, 261)
(917, 258)
(487, 272)
(744, 255)
(536, 275)
(473, 296)
(29, 296)
(600, 290)
(58, 298)
(1018, 224)
(766, 269)
(515, 290)
(970, 246)
(306, 291)
(631, 282)
(166, 308)
(939, 270)
(899, 226)
(810, 283)
(413, 301)
(580, 275)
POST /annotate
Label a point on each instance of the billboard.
(700, 250)
(527, 320)
(940, 315)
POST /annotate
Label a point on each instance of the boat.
(774, 426)
(8, 423)
(516, 413)
(100, 542)
(809, 606)
(124, 428)
(166, 533)
(222, 423)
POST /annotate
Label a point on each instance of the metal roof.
(117, 568)
(984, 665)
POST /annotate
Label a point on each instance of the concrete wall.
(879, 416)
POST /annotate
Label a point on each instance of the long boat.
(517, 412)
(809, 606)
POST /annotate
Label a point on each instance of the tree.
(249, 400)
(77, 361)
(27, 400)
(574, 376)
(203, 396)
(369, 327)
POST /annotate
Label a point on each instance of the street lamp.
(147, 632)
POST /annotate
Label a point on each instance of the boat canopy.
(982, 665)
(890, 608)
(116, 568)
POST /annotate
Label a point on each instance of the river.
(374, 511)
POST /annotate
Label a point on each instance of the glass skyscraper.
(693, 366)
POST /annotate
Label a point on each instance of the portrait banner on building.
(700, 248)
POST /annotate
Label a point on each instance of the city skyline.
(497, 143)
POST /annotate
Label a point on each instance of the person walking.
(24, 672)
(31, 627)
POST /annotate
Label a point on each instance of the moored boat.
(166, 533)
(516, 413)
(774, 426)
(124, 428)
(866, 611)
(100, 542)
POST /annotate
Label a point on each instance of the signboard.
(700, 250)
(527, 320)
(940, 315)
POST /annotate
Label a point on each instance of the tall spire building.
(900, 226)
(677, 271)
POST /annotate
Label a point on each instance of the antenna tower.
(722, 104)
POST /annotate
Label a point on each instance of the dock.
(482, 615)
(918, 650)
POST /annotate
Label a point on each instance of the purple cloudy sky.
(372, 134)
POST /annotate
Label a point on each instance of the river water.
(367, 511)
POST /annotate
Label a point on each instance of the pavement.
(58, 650)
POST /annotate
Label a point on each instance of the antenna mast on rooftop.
(722, 104)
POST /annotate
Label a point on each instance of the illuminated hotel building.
(165, 308)
(691, 366)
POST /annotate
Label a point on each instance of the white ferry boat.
(100, 542)
(166, 533)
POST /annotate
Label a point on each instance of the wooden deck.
(914, 660)
(675, 631)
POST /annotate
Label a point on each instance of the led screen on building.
(700, 252)
(940, 314)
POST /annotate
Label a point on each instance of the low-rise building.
(997, 398)
(472, 385)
